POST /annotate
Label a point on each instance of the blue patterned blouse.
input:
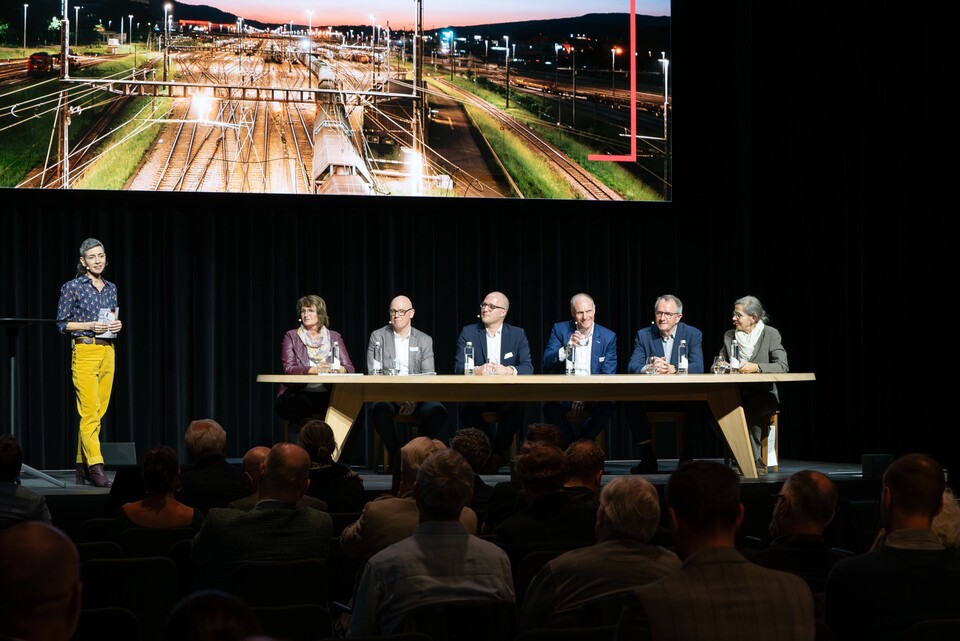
(81, 302)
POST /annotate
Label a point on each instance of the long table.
(721, 391)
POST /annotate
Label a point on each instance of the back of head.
(585, 458)
(285, 473)
(544, 433)
(413, 454)
(444, 486)
(317, 438)
(205, 437)
(705, 495)
(252, 460)
(916, 483)
(631, 508)
(11, 458)
(210, 615)
(39, 582)
(161, 467)
(474, 445)
(813, 497)
(542, 468)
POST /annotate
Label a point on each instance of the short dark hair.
(11, 458)
(704, 494)
(546, 432)
(160, 468)
(813, 495)
(318, 439)
(916, 482)
(444, 484)
(474, 445)
(585, 458)
(542, 467)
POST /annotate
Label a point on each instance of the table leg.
(726, 408)
(345, 404)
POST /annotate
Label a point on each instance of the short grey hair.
(205, 437)
(753, 307)
(946, 524)
(668, 297)
(631, 507)
(86, 246)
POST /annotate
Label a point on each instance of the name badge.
(508, 355)
(414, 348)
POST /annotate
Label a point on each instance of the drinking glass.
(719, 365)
(651, 368)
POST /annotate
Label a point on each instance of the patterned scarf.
(319, 349)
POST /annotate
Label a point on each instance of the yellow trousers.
(93, 368)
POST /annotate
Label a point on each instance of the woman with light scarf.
(760, 351)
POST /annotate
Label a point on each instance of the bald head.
(285, 473)
(39, 581)
(252, 461)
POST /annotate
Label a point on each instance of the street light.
(76, 27)
(666, 98)
(121, 32)
(613, 71)
(310, 49)
(166, 38)
(130, 31)
(507, 56)
(25, 30)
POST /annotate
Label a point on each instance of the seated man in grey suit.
(717, 594)
(276, 529)
(17, 503)
(622, 559)
(440, 561)
(252, 467)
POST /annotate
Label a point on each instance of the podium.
(12, 327)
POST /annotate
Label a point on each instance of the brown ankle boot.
(83, 474)
(97, 476)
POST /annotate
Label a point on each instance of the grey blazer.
(421, 350)
(769, 354)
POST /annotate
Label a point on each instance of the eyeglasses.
(490, 306)
(739, 314)
(666, 314)
(399, 312)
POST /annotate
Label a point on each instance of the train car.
(40, 64)
(337, 166)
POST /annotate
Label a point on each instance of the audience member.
(252, 467)
(209, 481)
(946, 525)
(17, 503)
(276, 529)
(474, 446)
(622, 559)
(717, 594)
(210, 615)
(500, 349)
(585, 459)
(388, 519)
(587, 349)
(507, 496)
(550, 519)
(332, 482)
(761, 351)
(909, 576)
(439, 561)
(404, 349)
(159, 508)
(656, 351)
(803, 509)
(39, 583)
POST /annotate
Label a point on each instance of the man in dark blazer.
(252, 467)
(404, 349)
(587, 349)
(276, 529)
(717, 593)
(655, 351)
(209, 480)
(500, 349)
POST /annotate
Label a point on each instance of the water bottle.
(682, 358)
(571, 359)
(335, 364)
(377, 358)
(734, 358)
(468, 359)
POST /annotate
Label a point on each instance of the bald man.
(252, 467)
(403, 350)
(40, 583)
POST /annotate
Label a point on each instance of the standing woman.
(760, 351)
(88, 313)
(309, 349)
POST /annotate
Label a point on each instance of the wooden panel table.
(721, 391)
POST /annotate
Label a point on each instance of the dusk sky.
(436, 13)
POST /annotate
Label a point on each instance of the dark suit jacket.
(294, 358)
(211, 482)
(18, 503)
(649, 343)
(248, 502)
(514, 348)
(271, 531)
(603, 352)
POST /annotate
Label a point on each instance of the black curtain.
(807, 172)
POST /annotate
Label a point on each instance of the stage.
(856, 522)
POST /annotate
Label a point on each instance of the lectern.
(12, 328)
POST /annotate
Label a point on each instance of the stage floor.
(856, 523)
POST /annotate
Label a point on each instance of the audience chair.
(278, 583)
(179, 553)
(527, 568)
(599, 633)
(302, 622)
(146, 541)
(107, 624)
(342, 571)
(98, 550)
(463, 620)
(148, 587)
(98, 528)
(399, 636)
(933, 630)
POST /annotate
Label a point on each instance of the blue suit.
(514, 352)
(649, 343)
(603, 360)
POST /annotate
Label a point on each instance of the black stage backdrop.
(808, 172)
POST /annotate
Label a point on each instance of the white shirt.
(401, 347)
